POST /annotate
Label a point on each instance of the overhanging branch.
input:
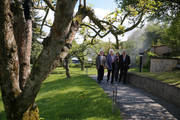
(49, 4)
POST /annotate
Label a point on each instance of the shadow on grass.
(73, 99)
(77, 98)
(2, 115)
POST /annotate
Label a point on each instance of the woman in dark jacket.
(117, 66)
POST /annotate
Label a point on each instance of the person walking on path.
(116, 66)
(124, 66)
(100, 64)
(110, 65)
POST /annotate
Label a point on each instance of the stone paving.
(136, 104)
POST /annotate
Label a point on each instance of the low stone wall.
(168, 92)
(162, 65)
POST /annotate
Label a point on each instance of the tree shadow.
(77, 98)
(142, 104)
(2, 115)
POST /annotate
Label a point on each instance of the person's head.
(124, 53)
(111, 52)
(101, 53)
(117, 54)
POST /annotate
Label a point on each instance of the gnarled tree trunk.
(19, 86)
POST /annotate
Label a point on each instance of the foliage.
(36, 49)
(172, 34)
(167, 11)
(37, 34)
(164, 10)
(105, 46)
(115, 22)
(81, 51)
(151, 54)
(143, 40)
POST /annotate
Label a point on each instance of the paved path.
(136, 104)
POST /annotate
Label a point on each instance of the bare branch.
(49, 4)
(95, 20)
(46, 24)
(40, 8)
(124, 18)
(97, 32)
(44, 19)
(136, 24)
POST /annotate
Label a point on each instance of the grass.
(172, 78)
(78, 98)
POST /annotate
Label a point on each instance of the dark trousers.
(116, 74)
(123, 74)
(100, 73)
(111, 72)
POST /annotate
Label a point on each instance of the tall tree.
(19, 83)
(165, 10)
(19, 86)
(116, 22)
(172, 34)
(81, 51)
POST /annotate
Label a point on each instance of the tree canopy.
(165, 10)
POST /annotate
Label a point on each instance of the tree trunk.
(82, 63)
(66, 66)
(19, 83)
(15, 54)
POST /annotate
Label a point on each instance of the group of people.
(114, 63)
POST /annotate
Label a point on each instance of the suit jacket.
(117, 63)
(124, 64)
(109, 62)
(98, 61)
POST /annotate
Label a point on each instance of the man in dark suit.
(124, 66)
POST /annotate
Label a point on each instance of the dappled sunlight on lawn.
(78, 98)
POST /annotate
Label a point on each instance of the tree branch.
(97, 32)
(49, 4)
(44, 19)
(136, 24)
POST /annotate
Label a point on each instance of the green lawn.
(172, 78)
(78, 98)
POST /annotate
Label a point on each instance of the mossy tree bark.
(19, 86)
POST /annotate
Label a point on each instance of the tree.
(19, 83)
(19, 86)
(165, 10)
(65, 64)
(172, 34)
(81, 51)
(115, 22)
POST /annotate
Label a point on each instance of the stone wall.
(162, 65)
(168, 92)
(160, 50)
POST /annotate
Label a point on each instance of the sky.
(101, 8)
